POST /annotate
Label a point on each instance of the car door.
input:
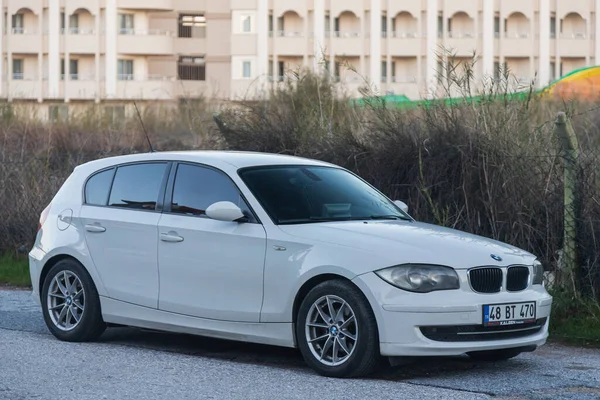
(208, 268)
(120, 223)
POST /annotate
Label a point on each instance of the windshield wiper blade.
(391, 216)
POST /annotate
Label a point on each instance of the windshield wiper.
(391, 216)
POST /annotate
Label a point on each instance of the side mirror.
(402, 205)
(224, 211)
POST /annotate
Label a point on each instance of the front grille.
(517, 279)
(486, 280)
(477, 333)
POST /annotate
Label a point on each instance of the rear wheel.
(495, 355)
(70, 303)
(337, 332)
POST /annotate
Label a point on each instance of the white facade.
(165, 49)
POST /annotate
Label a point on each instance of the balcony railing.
(79, 31)
(405, 34)
(573, 35)
(404, 79)
(287, 34)
(461, 34)
(516, 35)
(23, 31)
(79, 77)
(346, 34)
(144, 77)
(145, 32)
(18, 76)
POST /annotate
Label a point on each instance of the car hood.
(397, 242)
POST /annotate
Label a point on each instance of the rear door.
(208, 268)
(120, 220)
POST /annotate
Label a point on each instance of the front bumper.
(401, 315)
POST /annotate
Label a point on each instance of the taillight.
(43, 216)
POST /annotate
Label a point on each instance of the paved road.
(133, 364)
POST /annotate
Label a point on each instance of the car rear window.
(137, 186)
(98, 186)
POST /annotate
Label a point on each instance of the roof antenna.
(143, 127)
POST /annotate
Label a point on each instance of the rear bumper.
(36, 256)
(409, 323)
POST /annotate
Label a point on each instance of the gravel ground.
(135, 364)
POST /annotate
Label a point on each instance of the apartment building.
(65, 51)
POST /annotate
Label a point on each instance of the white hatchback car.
(277, 250)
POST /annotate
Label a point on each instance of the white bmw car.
(276, 250)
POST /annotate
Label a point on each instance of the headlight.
(538, 273)
(420, 278)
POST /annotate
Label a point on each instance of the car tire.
(78, 300)
(494, 355)
(353, 318)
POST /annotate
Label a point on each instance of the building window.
(125, 70)
(247, 69)
(74, 23)
(58, 113)
(247, 23)
(17, 70)
(126, 26)
(271, 24)
(497, 26)
(384, 71)
(552, 71)
(192, 26)
(552, 26)
(191, 68)
(73, 69)
(440, 26)
(17, 24)
(384, 27)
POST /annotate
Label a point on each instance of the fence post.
(570, 153)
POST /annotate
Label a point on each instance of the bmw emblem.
(495, 257)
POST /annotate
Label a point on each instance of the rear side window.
(98, 187)
(137, 186)
(197, 187)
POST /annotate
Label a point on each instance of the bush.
(491, 167)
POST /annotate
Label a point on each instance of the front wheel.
(337, 332)
(70, 303)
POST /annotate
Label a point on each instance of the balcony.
(517, 44)
(288, 43)
(189, 88)
(573, 45)
(189, 45)
(23, 87)
(348, 43)
(402, 85)
(26, 41)
(158, 5)
(148, 87)
(81, 41)
(145, 42)
(462, 44)
(404, 44)
(80, 87)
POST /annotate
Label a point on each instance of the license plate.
(508, 314)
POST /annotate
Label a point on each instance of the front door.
(208, 268)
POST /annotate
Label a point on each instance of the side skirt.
(122, 313)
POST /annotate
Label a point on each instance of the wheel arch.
(309, 285)
(51, 262)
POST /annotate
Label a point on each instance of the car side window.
(137, 186)
(197, 187)
(98, 187)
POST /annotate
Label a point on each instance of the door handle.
(96, 228)
(171, 237)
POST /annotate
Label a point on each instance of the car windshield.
(305, 194)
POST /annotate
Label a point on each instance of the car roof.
(236, 159)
